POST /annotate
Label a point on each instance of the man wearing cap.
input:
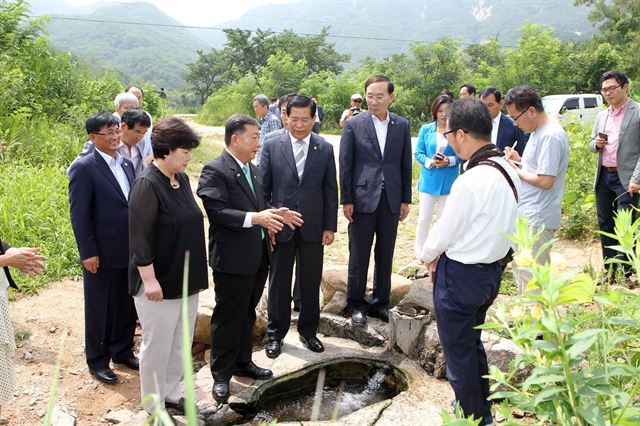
(355, 109)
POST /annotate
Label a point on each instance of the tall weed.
(34, 211)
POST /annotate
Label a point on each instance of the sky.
(197, 12)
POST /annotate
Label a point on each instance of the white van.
(580, 108)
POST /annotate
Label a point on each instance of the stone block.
(405, 331)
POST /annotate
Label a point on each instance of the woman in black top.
(164, 223)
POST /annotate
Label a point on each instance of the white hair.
(125, 98)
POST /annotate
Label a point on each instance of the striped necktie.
(299, 157)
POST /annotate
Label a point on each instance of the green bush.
(578, 205)
(34, 212)
(235, 98)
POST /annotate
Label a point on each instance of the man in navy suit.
(375, 181)
(299, 172)
(504, 132)
(99, 185)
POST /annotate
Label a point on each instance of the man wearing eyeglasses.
(542, 168)
(132, 128)
(616, 139)
(99, 185)
(464, 250)
(353, 110)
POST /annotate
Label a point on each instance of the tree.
(619, 23)
(282, 74)
(210, 72)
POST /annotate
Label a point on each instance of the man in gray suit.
(299, 172)
(616, 139)
(375, 181)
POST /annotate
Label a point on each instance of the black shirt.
(165, 222)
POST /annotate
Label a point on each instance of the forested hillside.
(155, 53)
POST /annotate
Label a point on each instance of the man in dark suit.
(299, 172)
(319, 116)
(504, 132)
(375, 181)
(99, 185)
(233, 196)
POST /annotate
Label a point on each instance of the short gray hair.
(262, 100)
(125, 98)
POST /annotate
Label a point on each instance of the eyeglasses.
(453, 131)
(609, 89)
(358, 101)
(110, 133)
(519, 115)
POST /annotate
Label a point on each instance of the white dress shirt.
(115, 165)
(305, 147)
(479, 211)
(494, 129)
(381, 130)
(132, 155)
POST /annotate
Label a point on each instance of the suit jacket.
(100, 211)
(364, 169)
(315, 195)
(89, 147)
(509, 133)
(628, 153)
(227, 197)
(434, 180)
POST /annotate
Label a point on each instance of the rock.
(421, 294)
(119, 417)
(28, 356)
(334, 279)
(62, 418)
(337, 304)
(500, 352)
(374, 333)
(413, 271)
(430, 354)
(262, 318)
(206, 302)
(182, 420)
(405, 331)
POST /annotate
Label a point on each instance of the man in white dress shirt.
(464, 250)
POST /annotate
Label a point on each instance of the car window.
(571, 104)
(590, 102)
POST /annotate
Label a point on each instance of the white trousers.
(425, 217)
(161, 349)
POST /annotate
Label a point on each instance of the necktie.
(299, 157)
(247, 174)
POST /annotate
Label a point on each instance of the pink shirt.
(612, 124)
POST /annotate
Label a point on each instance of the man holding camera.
(355, 109)
(616, 139)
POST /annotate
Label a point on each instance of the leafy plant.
(581, 345)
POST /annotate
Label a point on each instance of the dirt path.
(43, 318)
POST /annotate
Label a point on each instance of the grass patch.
(34, 212)
(21, 336)
(508, 285)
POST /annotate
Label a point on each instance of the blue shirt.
(433, 180)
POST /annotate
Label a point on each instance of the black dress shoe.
(274, 348)
(133, 362)
(381, 314)
(220, 391)
(312, 343)
(105, 375)
(177, 406)
(253, 371)
(358, 318)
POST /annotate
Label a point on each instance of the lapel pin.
(238, 175)
(393, 121)
(315, 147)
